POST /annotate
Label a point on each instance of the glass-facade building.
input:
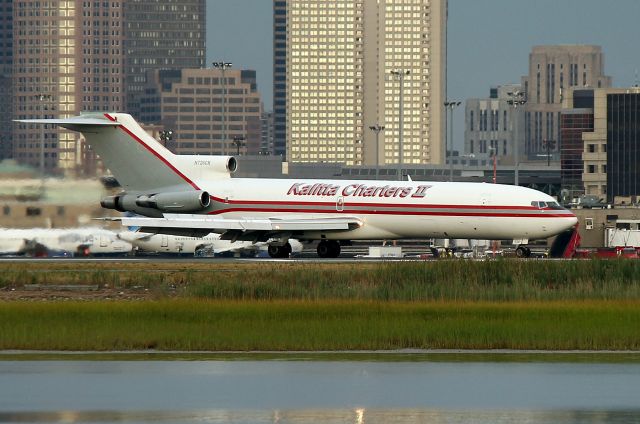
(573, 122)
(160, 35)
(623, 145)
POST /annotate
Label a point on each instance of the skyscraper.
(160, 35)
(341, 66)
(552, 70)
(6, 62)
(67, 59)
(72, 56)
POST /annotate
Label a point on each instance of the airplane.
(210, 244)
(43, 242)
(193, 195)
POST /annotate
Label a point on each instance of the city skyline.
(483, 37)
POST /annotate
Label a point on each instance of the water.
(282, 391)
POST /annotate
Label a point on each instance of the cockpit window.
(554, 205)
(546, 205)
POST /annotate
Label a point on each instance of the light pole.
(399, 75)
(494, 153)
(450, 105)
(223, 66)
(516, 98)
(166, 136)
(42, 98)
(377, 128)
(238, 142)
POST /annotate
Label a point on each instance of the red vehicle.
(608, 253)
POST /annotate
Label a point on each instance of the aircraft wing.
(255, 229)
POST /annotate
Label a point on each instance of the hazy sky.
(489, 40)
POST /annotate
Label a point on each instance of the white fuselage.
(396, 209)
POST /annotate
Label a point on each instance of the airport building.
(552, 71)
(342, 66)
(207, 111)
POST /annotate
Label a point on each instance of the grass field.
(502, 280)
(194, 325)
(218, 306)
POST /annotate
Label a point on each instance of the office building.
(623, 144)
(267, 138)
(67, 59)
(160, 34)
(575, 124)
(206, 113)
(492, 124)
(553, 70)
(6, 63)
(75, 56)
(341, 66)
(610, 149)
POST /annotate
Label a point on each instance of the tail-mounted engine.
(187, 201)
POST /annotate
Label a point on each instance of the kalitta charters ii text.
(357, 190)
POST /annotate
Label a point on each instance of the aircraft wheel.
(323, 249)
(274, 251)
(279, 252)
(523, 252)
(334, 247)
(329, 249)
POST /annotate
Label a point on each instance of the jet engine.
(183, 201)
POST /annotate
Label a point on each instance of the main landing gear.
(276, 251)
(329, 249)
(523, 252)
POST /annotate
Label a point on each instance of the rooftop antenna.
(636, 79)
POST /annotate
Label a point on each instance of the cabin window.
(6, 210)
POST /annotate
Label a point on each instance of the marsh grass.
(501, 280)
(197, 325)
(217, 306)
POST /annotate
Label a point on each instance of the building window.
(6, 210)
(33, 211)
(591, 148)
(591, 169)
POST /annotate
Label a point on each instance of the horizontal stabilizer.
(76, 120)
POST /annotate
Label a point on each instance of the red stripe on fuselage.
(156, 154)
(374, 206)
(388, 212)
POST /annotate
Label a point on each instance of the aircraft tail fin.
(137, 160)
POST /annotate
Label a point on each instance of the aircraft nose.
(571, 220)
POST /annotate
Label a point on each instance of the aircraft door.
(104, 241)
(165, 241)
(340, 204)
